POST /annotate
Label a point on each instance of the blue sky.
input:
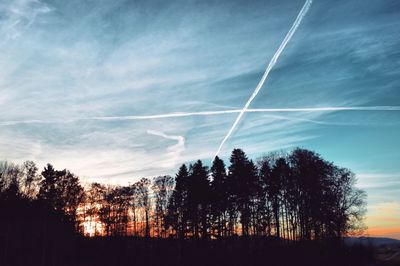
(64, 62)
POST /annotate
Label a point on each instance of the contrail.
(180, 139)
(258, 110)
(168, 115)
(271, 64)
(17, 122)
(208, 113)
(174, 151)
(327, 109)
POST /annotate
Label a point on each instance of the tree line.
(289, 196)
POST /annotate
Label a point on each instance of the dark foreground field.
(235, 251)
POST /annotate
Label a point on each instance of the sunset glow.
(228, 132)
(115, 91)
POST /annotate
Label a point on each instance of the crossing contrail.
(208, 113)
(271, 64)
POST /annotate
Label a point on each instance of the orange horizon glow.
(384, 232)
(383, 220)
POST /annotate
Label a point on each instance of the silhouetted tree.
(162, 188)
(198, 196)
(48, 186)
(322, 188)
(144, 202)
(350, 205)
(292, 196)
(177, 206)
(31, 180)
(134, 204)
(275, 189)
(120, 207)
(10, 176)
(219, 197)
(265, 221)
(61, 190)
(242, 181)
(33, 226)
(94, 202)
(106, 210)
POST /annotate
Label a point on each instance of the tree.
(274, 190)
(350, 204)
(48, 186)
(242, 181)
(329, 205)
(133, 203)
(198, 195)
(61, 191)
(95, 200)
(265, 220)
(71, 194)
(120, 209)
(177, 212)
(106, 210)
(144, 201)
(219, 197)
(294, 196)
(10, 179)
(162, 188)
(31, 180)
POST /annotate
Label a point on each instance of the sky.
(89, 86)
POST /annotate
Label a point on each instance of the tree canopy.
(290, 196)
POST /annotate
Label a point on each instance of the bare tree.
(162, 188)
(144, 201)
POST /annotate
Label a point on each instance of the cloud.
(81, 86)
(102, 157)
(172, 157)
(375, 180)
(17, 147)
(381, 187)
(16, 16)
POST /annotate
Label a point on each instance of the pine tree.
(177, 213)
(198, 198)
(219, 197)
(241, 182)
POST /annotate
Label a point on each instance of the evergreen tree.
(198, 198)
(61, 191)
(177, 212)
(265, 199)
(219, 197)
(242, 181)
(48, 185)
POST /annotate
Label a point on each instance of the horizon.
(118, 91)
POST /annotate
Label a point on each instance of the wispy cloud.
(172, 157)
(16, 16)
(381, 187)
(81, 82)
